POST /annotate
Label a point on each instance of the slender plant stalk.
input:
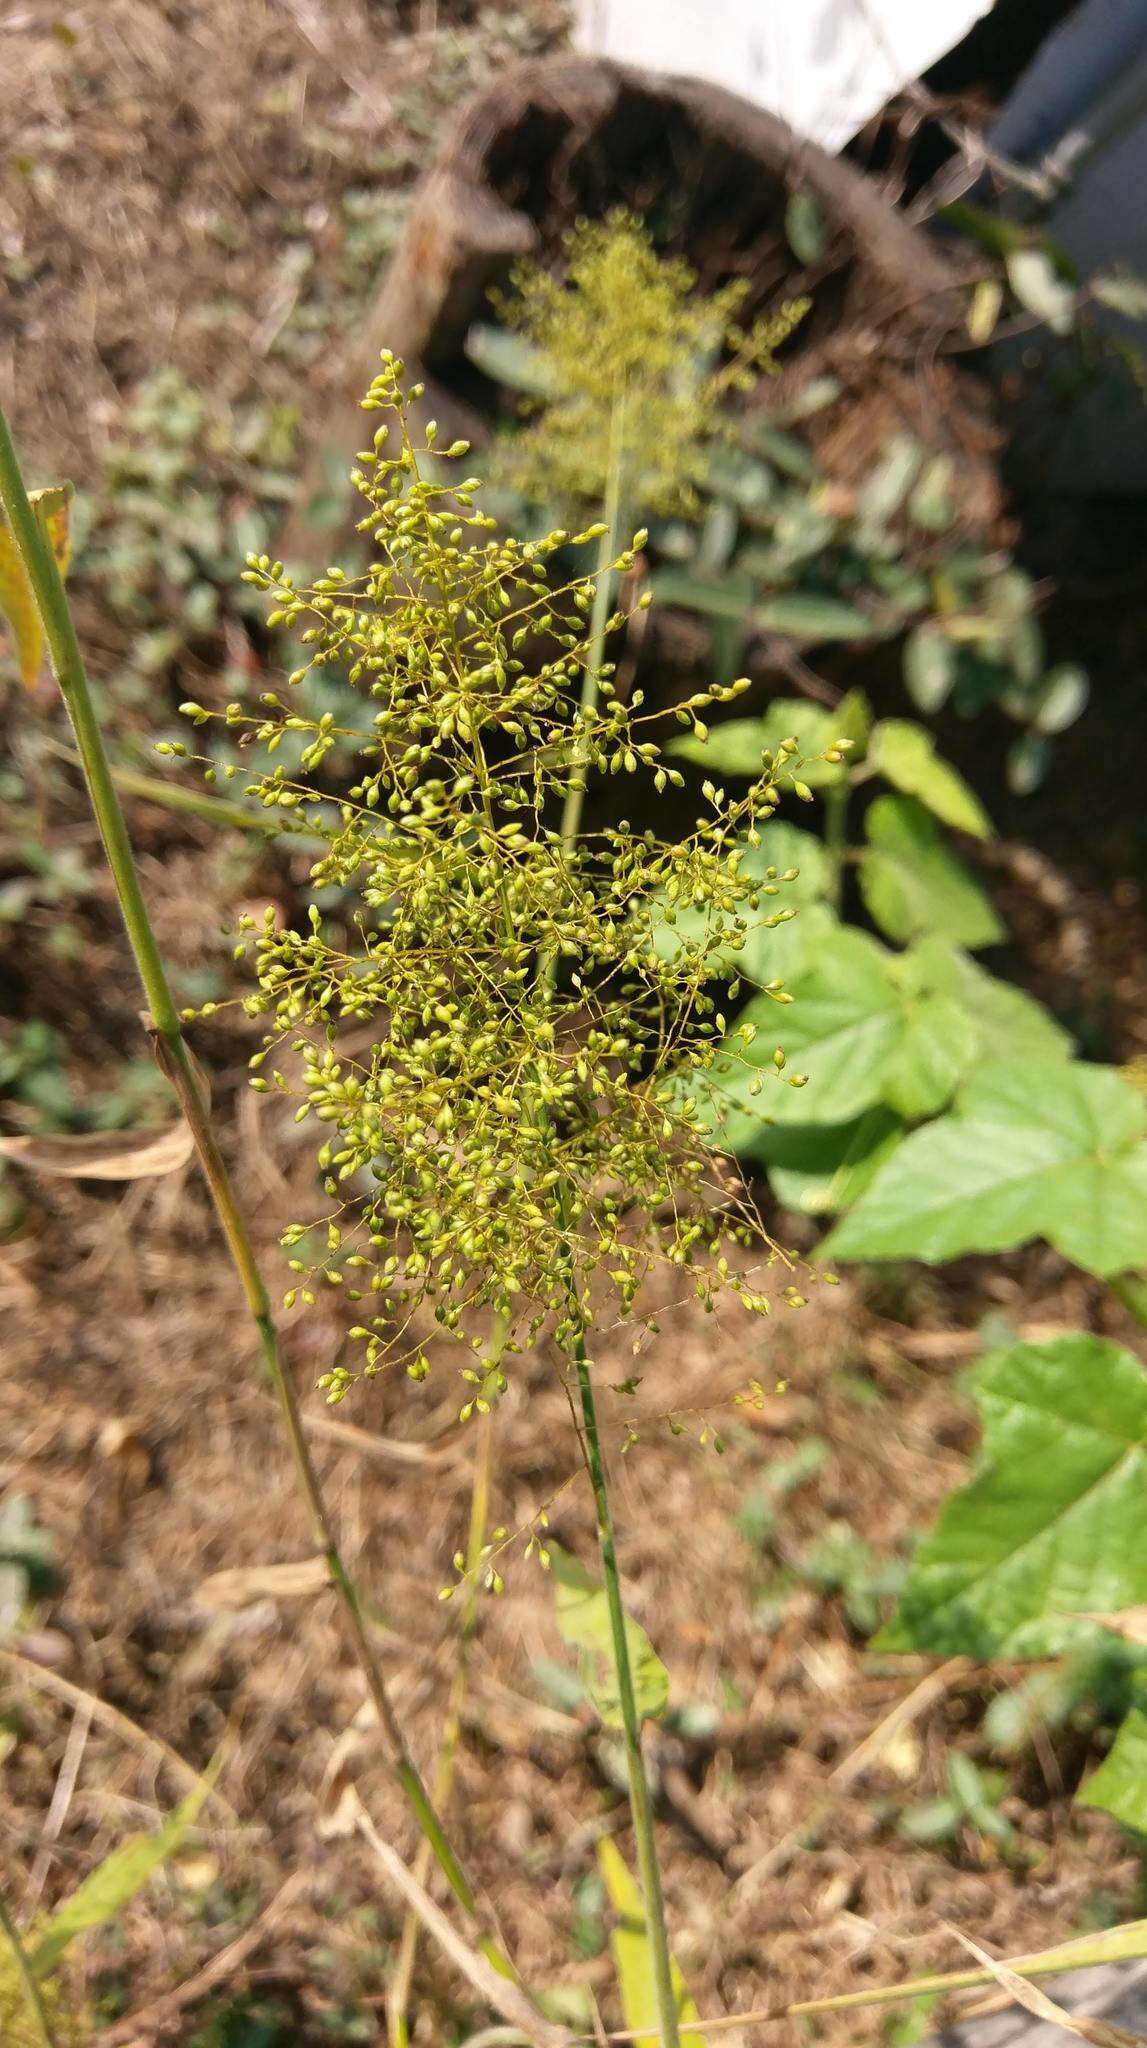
(33, 1997)
(398, 1989)
(599, 618)
(641, 1805)
(176, 1060)
(649, 1870)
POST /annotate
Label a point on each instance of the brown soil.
(161, 164)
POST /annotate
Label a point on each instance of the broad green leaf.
(821, 1169)
(863, 1027)
(806, 229)
(510, 359)
(906, 756)
(1052, 1523)
(717, 597)
(124, 1872)
(845, 1021)
(912, 883)
(782, 951)
(805, 616)
(814, 731)
(731, 749)
(938, 1043)
(632, 1959)
(930, 661)
(1037, 285)
(785, 951)
(1034, 1148)
(583, 1618)
(735, 748)
(1009, 1023)
(18, 608)
(1119, 1786)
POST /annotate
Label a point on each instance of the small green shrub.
(745, 529)
(1042, 1554)
(188, 490)
(972, 1801)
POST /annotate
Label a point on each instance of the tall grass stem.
(599, 619)
(641, 1805)
(178, 1065)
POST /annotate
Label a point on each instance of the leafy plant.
(972, 1801)
(620, 319)
(1042, 1553)
(524, 1132)
(839, 1561)
(188, 490)
(745, 530)
(885, 1037)
(25, 534)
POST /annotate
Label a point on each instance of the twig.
(61, 1800)
(118, 1723)
(391, 1449)
(497, 1991)
(222, 1966)
(781, 653)
(901, 1716)
(323, 38)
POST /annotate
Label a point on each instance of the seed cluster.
(620, 317)
(521, 1122)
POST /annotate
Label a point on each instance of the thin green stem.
(176, 1060)
(33, 1997)
(649, 1870)
(599, 619)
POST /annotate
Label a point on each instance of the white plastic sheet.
(825, 66)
